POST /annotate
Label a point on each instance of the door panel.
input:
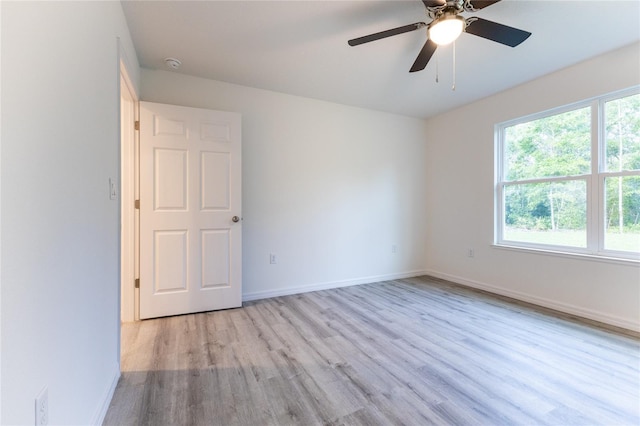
(216, 247)
(215, 183)
(170, 261)
(190, 189)
(170, 179)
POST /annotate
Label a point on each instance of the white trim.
(540, 301)
(595, 191)
(548, 180)
(0, 238)
(128, 192)
(101, 411)
(128, 309)
(246, 297)
(571, 106)
(618, 259)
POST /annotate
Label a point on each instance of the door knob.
(235, 219)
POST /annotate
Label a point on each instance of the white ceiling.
(300, 47)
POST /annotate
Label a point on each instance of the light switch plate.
(112, 189)
(42, 407)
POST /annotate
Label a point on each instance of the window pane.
(553, 213)
(559, 145)
(622, 134)
(622, 213)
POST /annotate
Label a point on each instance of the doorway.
(181, 220)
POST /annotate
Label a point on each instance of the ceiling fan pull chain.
(437, 67)
(453, 87)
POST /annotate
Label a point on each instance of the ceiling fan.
(446, 26)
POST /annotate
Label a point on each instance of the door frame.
(129, 187)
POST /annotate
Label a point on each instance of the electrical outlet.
(394, 248)
(273, 259)
(471, 252)
(42, 407)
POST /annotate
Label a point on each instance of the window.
(569, 179)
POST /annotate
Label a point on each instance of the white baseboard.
(540, 301)
(246, 297)
(101, 412)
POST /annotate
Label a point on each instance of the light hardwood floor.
(415, 352)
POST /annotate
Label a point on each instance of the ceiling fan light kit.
(446, 26)
(447, 29)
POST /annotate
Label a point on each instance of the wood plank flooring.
(415, 352)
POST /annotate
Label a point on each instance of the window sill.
(570, 255)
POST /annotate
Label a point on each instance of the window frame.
(594, 181)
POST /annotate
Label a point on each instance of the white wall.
(460, 165)
(327, 188)
(60, 231)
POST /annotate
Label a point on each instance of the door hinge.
(137, 282)
(136, 125)
(136, 204)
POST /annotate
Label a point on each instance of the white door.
(190, 210)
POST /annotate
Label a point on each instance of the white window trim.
(558, 252)
(594, 181)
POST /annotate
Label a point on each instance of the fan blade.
(481, 4)
(387, 33)
(424, 56)
(434, 3)
(497, 32)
